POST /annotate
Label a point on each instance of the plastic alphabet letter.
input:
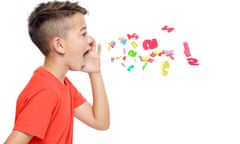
(150, 44)
(132, 53)
(134, 35)
(145, 64)
(167, 28)
(134, 44)
(124, 41)
(153, 54)
(186, 49)
(123, 64)
(165, 65)
(171, 56)
(124, 58)
(192, 61)
(112, 59)
(112, 44)
(157, 51)
(167, 52)
(130, 67)
(150, 60)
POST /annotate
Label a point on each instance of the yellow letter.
(165, 65)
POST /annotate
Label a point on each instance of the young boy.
(46, 106)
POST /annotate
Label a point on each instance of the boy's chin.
(80, 68)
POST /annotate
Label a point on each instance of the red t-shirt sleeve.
(35, 112)
(78, 99)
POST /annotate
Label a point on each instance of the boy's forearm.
(100, 100)
(17, 137)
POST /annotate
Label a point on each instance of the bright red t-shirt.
(45, 109)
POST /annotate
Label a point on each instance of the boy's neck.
(56, 68)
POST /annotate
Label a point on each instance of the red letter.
(150, 44)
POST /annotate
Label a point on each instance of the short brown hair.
(49, 19)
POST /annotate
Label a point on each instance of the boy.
(46, 106)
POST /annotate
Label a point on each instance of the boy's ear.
(58, 45)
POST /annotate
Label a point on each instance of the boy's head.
(59, 29)
(51, 19)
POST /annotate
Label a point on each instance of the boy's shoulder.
(41, 80)
(43, 85)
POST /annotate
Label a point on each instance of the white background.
(192, 105)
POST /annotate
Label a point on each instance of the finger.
(92, 43)
(99, 50)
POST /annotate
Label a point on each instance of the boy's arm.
(17, 137)
(97, 115)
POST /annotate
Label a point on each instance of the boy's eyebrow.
(83, 28)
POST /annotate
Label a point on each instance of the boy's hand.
(92, 59)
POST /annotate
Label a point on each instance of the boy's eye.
(84, 34)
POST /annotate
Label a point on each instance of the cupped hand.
(92, 59)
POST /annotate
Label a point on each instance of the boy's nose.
(91, 40)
